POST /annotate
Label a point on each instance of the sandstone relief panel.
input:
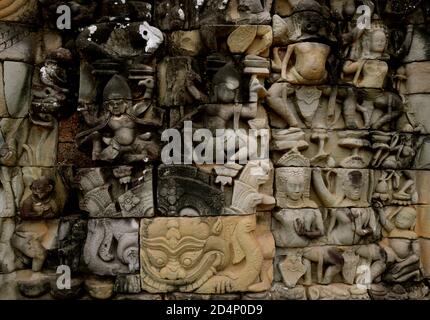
(215, 149)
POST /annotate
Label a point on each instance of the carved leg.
(308, 274)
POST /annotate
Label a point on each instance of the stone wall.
(339, 210)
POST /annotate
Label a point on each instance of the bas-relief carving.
(342, 188)
(400, 243)
(354, 106)
(394, 187)
(218, 255)
(112, 246)
(246, 190)
(123, 191)
(72, 232)
(116, 91)
(36, 229)
(186, 191)
(26, 138)
(120, 129)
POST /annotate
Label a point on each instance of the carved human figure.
(41, 204)
(401, 243)
(293, 188)
(366, 67)
(304, 63)
(349, 226)
(114, 132)
(34, 235)
(351, 187)
(226, 83)
(297, 227)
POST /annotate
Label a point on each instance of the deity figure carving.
(348, 226)
(293, 188)
(300, 223)
(246, 190)
(218, 255)
(112, 246)
(115, 129)
(400, 243)
(226, 83)
(350, 187)
(366, 68)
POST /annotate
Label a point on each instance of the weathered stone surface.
(124, 191)
(423, 221)
(337, 291)
(203, 269)
(186, 191)
(33, 284)
(112, 247)
(179, 82)
(319, 109)
(129, 283)
(416, 78)
(188, 43)
(99, 288)
(7, 254)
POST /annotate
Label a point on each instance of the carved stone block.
(178, 82)
(416, 78)
(394, 187)
(420, 108)
(25, 142)
(185, 43)
(7, 254)
(342, 187)
(117, 192)
(337, 291)
(187, 191)
(112, 246)
(72, 233)
(423, 221)
(218, 255)
(297, 227)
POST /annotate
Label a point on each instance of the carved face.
(295, 187)
(378, 41)
(183, 254)
(42, 189)
(352, 185)
(117, 107)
